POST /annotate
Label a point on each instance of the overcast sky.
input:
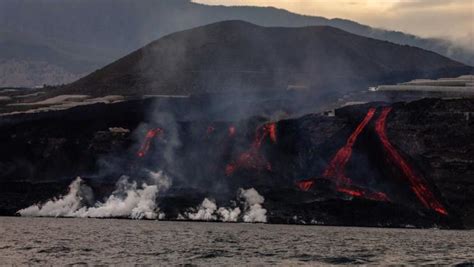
(427, 18)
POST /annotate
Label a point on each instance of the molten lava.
(350, 190)
(252, 159)
(248, 160)
(336, 168)
(210, 130)
(362, 193)
(232, 131)
(337, 165)
(305, 185)
(264, 131)
(271, 129)
(147, 142)
(418, 184)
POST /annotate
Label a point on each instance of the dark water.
(90, 241)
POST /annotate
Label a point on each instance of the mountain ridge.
(237, 55)
(80, 28)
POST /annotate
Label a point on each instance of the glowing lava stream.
(146, 144)
(210, 130)
(336, 167)
(350, 190)
(359, 192)
(267, 130)
(252, 159)
(419, 186)
(305, 185)
(232, 131)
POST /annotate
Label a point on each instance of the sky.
(453, 19)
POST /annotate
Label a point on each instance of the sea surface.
(49, 241)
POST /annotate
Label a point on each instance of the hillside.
(239, 56)
(78, 37)
(35, 61)
(285, 160)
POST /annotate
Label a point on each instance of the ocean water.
(49, 241)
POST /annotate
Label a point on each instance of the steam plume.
(65, 206)
(129, 200)
(205, 212)
(208, 211)
(251, 201)
(254, 212)
(229, 215)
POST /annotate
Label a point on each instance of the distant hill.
(31, 62)
(75, 37)
(239, 56)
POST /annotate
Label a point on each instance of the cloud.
(422, 4)
(425, 18)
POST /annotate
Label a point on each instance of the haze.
(427, 18)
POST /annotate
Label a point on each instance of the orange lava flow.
(271, 129)
(336, 167)
(232, 131)
(350, 190)
(252, 159)
(359, 192)
(210, 130)
(248, 160)
(146, 144)
(418, 184)
(305, 185)
(264, 131)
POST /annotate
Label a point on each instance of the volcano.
(236, 56)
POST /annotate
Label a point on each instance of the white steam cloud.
(126, 201)
(229, 215)
(254, 212)
(65, 206)
(129, 200)
(205, 212)
(252, 203)
(208, 211)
